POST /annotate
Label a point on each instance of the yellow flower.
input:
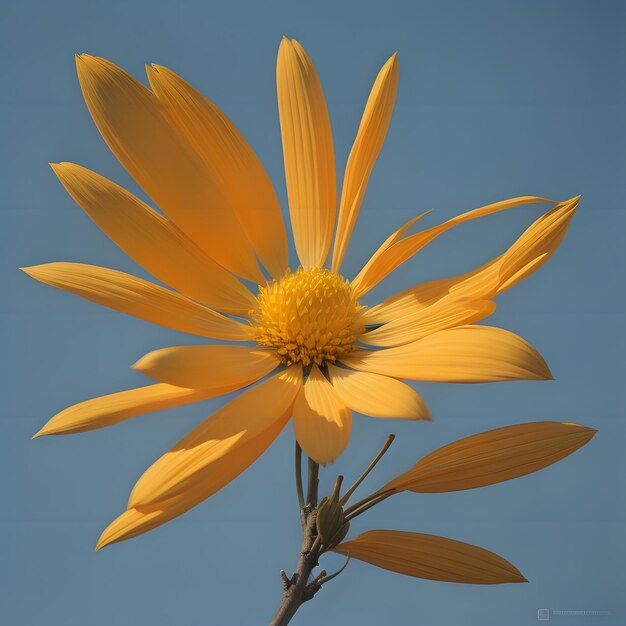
(323, 352)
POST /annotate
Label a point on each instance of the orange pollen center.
(308, 316)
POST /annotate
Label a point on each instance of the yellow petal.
(308, 153)
(527, 254)
(369, 140)
(131, 119)
(376, 395)
(133, 522)
(207, 367)
(136, 521)
(192, 461)
(536, 245)
(140, 298)
(117, 407)
(154, 242)
(465, 354)
(236, 168)
(478, 284)
(446, 313)
(321, 420)
(431, 557)
(384, 248)
(382, 264)
(493, 457)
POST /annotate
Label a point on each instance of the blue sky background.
(496, 99)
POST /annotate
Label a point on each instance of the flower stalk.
(302, 585)
(313, 483)
(297, 589)
(299, 487)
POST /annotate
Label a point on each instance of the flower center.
(308, 316)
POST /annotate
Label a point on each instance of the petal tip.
(542, 369)
(48, 429)
(61, 169)
(587, 432)
(106, 538)
(137, 365)
(88, 65)
(101, 544)
(391, 67)
(82, 58)
(34, 271)
(520, 577)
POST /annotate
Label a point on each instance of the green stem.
(337, 487)
(366, 504)
(369, 468)
(367, 500)
(299, 487)
(313, 483)
(322, 580)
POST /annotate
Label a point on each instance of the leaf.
(493, 457)
(431, 557)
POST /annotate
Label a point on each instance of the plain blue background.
(496, 99)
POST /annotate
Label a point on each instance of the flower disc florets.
(308, 316)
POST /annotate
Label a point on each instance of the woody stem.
(297, 589)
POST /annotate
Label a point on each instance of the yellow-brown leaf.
(431, 557)
(493, 457)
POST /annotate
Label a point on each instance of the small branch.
(299, 488)
(323, 579)
(319, 577)
(313, 483)
(369, 468)
(337, 487)
(366, 504)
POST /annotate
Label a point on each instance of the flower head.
(324, 354)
